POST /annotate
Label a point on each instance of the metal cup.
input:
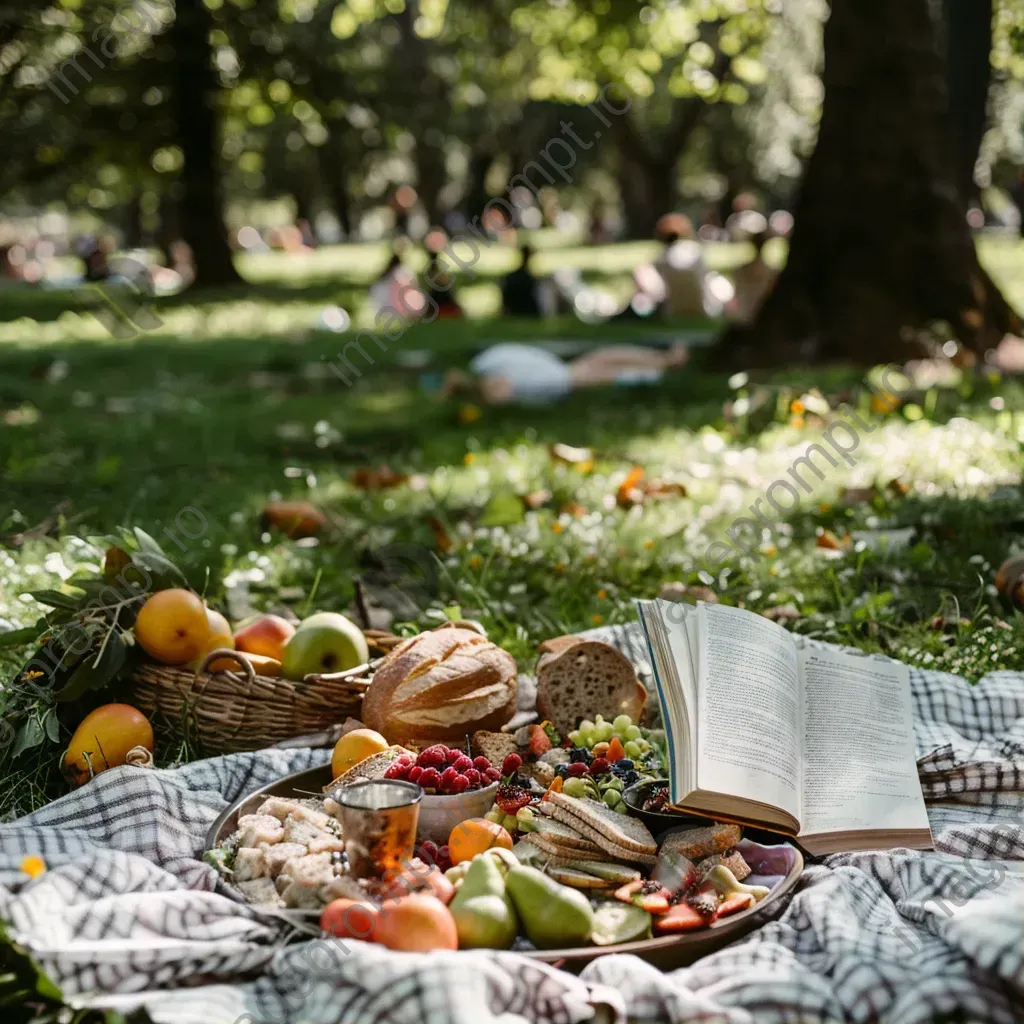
(378, 821)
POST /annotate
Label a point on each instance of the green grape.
(598, 719)
(585, 738)
(574, 737)
(586, 726)
(510, 822)
(611, 798)
(622, 723)
(496, 815)
(632, 750)
(632, 732)
(604, 732)
(645, 747)
(574, 787)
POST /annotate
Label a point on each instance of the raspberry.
(444, 858)
(481, 764)
(577, 768)
(430, 779)
(492, 775)
(404, 759)
(511, 764)
(432, 757)
(452, 755)
(475, 778)
(393, 771)
(448, 777)
(415, 773)
(599, 765)
(462, 763)
(460, 784)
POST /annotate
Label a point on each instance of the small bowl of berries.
(455, 787)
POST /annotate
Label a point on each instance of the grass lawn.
(231, 403)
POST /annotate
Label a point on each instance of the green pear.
(553, 915)
(484, 916)
(325, 642)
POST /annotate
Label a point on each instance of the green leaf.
(56, 599)
(166, 573)
(504, 509)
(51, 726)
(30, 735)
(93, 674)
(453, 612)
(147, 543)
(18, 637)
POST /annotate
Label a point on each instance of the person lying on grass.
(513, 372)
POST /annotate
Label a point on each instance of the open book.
(817, 744)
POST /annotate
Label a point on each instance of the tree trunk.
(333, 173)
(648, 192)
(476, 190)
(968, 33)
(880, 246)
(201, 210)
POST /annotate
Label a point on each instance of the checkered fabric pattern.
(128, 914)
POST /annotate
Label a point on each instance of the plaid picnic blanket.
(128, 914)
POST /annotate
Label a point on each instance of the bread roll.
(441, 686)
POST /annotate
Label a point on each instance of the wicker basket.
(229, 711)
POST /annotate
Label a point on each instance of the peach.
(267, 635)
(416, 924)
(173, 626)
(103, 740)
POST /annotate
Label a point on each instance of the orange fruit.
(103, 740)
(356, 746)
(416, 924)
(267, 635)
(475, 835)
(173, 626)
(349, 919)
(219, 636)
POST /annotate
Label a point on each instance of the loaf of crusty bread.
(438, 687)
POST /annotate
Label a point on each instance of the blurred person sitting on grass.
(520, 289)
(528, 374)
(438, 282)
(678, 283)
(752, 281)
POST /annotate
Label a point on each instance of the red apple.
(267, 635)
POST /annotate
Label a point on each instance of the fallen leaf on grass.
(629, 492)
(571, 456)
(297, 519)
(376, 478)
(827, 539)
(442, 538)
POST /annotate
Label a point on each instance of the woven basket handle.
(228, 652)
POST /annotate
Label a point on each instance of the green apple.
(325, 642)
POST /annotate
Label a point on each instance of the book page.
(750, 709)
(860, 771)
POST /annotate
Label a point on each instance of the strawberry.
(538, 742)
(703, 899)
(509, 799)
(511, 764)
(599, 766)
(650, 896)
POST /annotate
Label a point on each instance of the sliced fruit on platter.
(619, 922)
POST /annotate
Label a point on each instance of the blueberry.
(578, 755)
(625, 763)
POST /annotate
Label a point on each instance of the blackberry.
(625, 764)
(580, 755)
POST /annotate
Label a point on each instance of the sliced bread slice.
(588, 677)
(609, 849)
(697, 843)
(559, 833)
(565, 853)
(372, 767)
(495, 746)
(619, 829)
